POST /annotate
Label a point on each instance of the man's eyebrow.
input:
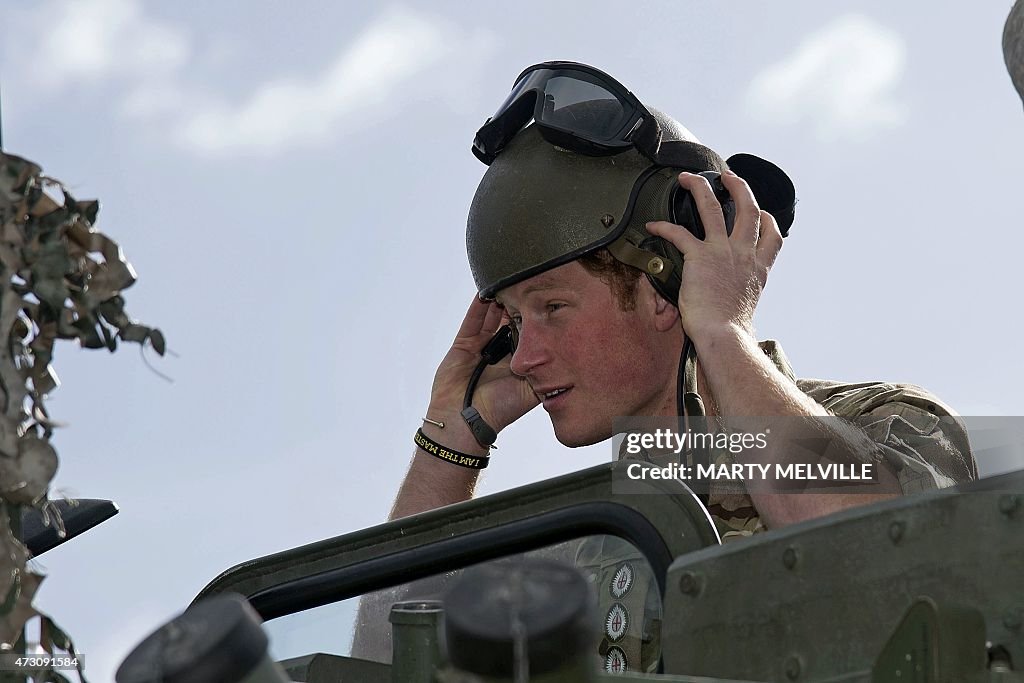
(539, 286)
(542, 285)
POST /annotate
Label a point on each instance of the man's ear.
(666, 315)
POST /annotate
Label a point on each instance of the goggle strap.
(647, 138)
(683, 154)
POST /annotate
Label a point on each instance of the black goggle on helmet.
(543, 92)
(542, 204)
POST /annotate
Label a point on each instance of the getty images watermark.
(740, 455)
(666, 440)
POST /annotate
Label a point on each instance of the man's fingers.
(676, 234)
(769, 244)
(747, 212)
(492, 321)
(475, 317)
(708, 206)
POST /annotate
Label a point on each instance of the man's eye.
(554, 307)
(517, 320)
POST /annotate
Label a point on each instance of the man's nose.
(531, 351)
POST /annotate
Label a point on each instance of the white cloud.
(291, 111)
(151, 99)
(93, 40)
(842, 80)
(152, 68)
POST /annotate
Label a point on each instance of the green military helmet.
(539, 206)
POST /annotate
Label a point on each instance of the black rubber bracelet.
(428, 445)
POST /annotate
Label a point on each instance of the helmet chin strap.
(689, 405)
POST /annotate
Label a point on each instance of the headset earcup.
(772, 188)
(686, 214)
(683, 211)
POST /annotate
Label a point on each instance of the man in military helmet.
(591, 206)
(570, 241)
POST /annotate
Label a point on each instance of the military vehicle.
(573, 577)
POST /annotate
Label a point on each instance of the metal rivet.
(689, 584)
(1012, 621)
(607, 220)
(1008, 504)
(789, 558)
(793, 668)
(896, 531)
(655, 265)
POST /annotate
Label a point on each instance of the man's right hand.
(501, 397)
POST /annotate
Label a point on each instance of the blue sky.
(291, 183)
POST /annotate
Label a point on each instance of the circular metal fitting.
(789, 558)
(655, 265)
(689, 584)
(896, 531)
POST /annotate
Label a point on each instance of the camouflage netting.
(1013, 46)
(59, 279)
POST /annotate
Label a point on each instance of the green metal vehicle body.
(924, 587)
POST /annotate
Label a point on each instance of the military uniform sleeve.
(919, 437)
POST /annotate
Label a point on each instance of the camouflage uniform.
(919, 437)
